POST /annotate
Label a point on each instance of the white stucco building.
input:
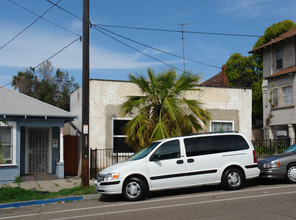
(230, 108)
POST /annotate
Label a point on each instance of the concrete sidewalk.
(49, 184)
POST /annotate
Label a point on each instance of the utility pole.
(183, 43)
(85, 96)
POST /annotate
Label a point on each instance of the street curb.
(49, 201)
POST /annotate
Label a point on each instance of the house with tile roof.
(31, 135)
(218, 80)
(279, 84)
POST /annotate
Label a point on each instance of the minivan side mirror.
(155, 157)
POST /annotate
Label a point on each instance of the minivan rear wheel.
(134, 189)
(233, 179)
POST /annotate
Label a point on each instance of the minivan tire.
(134, 189)
(233, 179)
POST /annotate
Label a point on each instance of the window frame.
(282, 96)
(272, 98)
(221, 121)
(119, 136)
(12, 125)
(279, 58)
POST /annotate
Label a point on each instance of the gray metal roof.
(13, 103)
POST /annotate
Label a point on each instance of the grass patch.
(17, 194)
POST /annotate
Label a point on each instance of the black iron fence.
(266, 148)
(102, 158)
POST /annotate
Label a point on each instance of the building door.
(71, 155)
(38, 150)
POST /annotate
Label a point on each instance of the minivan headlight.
(271, 165)
(111, 176)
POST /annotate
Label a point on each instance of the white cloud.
(30, 49)
(256, 8)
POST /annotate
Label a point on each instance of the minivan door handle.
(190, 160)
(180, 161)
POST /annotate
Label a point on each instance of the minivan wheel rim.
(292, 173)
(234, 179)
(133, 189)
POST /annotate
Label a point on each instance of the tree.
(162, 110)
(24, 82)
(54, 90)
(246, 71)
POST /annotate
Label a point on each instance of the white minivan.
(200, 159)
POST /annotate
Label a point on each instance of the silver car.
(280, 166)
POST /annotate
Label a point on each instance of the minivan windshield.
(143, 152)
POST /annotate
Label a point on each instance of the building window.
(221, 126)
(279, 59)
(275, 98)
(119, 144)
(287, 95)
(7, 143)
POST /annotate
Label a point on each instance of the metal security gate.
(38, 150)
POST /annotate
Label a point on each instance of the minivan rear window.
(214, 144)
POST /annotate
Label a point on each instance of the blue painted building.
(31, 136)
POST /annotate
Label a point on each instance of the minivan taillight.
(254, 156)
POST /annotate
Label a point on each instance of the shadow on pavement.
(194, 190)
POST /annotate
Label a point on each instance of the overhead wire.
(162, 51)
(158, 60)
(65, 29)
(33, 68)
(29, 25)
(65, 10)
(178, 31)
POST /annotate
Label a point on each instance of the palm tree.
(162, 110)
(24, 82)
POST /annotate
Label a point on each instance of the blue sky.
(110, 59)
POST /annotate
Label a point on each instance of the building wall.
(106, 97)
(280, 117)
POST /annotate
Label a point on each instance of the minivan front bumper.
(110, 187)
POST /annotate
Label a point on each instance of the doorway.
(38, 150)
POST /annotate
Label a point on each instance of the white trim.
(221, 121)
(11, 124)
(61, 145)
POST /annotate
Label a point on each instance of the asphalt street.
(267, 200)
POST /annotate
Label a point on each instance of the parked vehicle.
(280, 166)
(178, 162)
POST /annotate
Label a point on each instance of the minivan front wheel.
(233, 179)
(134, 189)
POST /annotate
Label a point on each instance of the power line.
(65, 10)
(158, 60)
(44, 18)
(79, 38)
(178, 31)
(29, 25)
(49, 57)
(162, 51)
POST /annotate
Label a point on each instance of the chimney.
(224, 76)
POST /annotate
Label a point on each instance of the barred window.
(119, 144)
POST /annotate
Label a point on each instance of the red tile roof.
(289, 34)
(219, 79)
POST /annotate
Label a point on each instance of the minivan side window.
(214, 144)
(169, 150)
